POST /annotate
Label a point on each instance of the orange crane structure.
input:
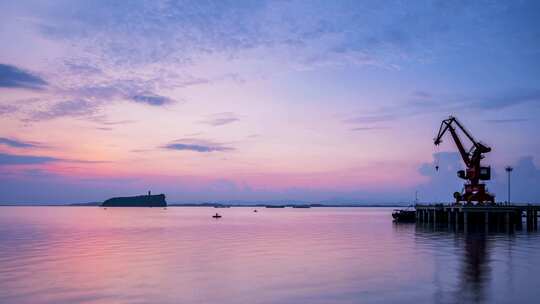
(474, 190)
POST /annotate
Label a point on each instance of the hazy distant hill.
(137, 201)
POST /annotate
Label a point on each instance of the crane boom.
(447, 125)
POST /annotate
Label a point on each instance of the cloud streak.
(369, 122)
(18, 159)
(14, 77)
(507, 121)
(221, 119)
(15, 143)
(375, 118)
(152, 99)
(86, 95)
(358, 129)
(423, 102)
(14, 159)
(508, 99)
(7, 109)
(195, 145)
(67, 108)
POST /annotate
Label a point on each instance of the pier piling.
(484, 217)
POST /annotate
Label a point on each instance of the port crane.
(474, 190)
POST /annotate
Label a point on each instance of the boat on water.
(216, 216)
(407, 215)
(404, 215)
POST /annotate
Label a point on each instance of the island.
(137, 201)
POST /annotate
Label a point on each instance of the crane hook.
(436, 155)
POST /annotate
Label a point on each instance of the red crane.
(474, 190)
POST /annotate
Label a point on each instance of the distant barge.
(137, 201)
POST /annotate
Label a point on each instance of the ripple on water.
(317, 255)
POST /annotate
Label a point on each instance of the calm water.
(318, 255)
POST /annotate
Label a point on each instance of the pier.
(487, 217)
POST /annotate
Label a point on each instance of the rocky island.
(137, 201)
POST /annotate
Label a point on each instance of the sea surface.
(318, 255)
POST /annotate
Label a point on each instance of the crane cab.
(483, 174)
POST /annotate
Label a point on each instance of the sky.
(263, 101)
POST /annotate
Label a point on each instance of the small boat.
(255, 210)
(216, 216)
(404, 215)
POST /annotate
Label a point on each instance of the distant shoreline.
(210, 205)
(236, 205)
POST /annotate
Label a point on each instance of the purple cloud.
(14, 143)
(152, 99)
(197, 146)
(13, 77)
(14, 159)
(221, 119)
(76, 107)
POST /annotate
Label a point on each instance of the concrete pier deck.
(489, 217)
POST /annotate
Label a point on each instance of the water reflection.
(474, 251)
(475, 269)
(318, 255)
